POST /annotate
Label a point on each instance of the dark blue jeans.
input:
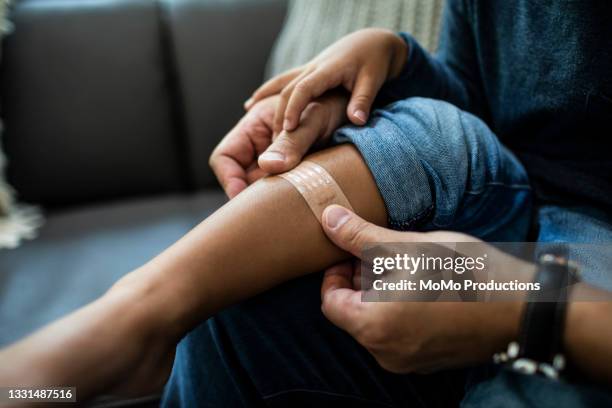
(436, 168)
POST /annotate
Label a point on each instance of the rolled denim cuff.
(404, 187)
(439, 167)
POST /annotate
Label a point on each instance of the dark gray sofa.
(111, 110)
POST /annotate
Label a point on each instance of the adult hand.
(252, 150)
(410, 336)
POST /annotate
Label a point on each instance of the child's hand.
(251, 150)
(361, 62)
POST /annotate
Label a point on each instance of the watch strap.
(541, 337)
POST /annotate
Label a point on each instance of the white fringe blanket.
(17, 222)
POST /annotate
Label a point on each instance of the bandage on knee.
(317, 186)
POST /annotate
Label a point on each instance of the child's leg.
(264, 236)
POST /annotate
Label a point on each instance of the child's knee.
(431, 133)
(425, 154)
(436, 126)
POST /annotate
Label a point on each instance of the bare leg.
(263, 237)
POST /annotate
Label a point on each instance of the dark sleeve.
(451, 75)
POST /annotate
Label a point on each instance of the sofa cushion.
(81, 253)
(86, 102)
(220, 48)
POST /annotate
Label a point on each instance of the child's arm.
(360, 62)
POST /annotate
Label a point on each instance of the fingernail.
(361, 115)
(336, 217)
(248, 102)
(286, 124)
(272, 156)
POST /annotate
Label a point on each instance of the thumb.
(288, 149)
(350, 232)
(362, 97)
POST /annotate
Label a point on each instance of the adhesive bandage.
(317, 186)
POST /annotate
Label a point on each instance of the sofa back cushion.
(220, 49)
(86, 102)
(108, 99)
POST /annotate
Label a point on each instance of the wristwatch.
(539, 348)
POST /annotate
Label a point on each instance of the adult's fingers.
(231, 175)
(338, 276)
(350, 232)
(341, 304)
(363, 94)
(272, 86)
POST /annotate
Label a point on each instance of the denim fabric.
(538, 73)
(503, 388)
(438, 167)
(278, 350)
(581, 225)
